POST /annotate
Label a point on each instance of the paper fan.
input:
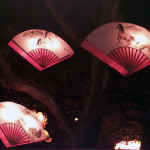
(41, 48)
(123, 46)
(18, 125)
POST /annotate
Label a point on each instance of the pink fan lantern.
(41, 48)
(18, 125)
(123, 46)
(135, 145)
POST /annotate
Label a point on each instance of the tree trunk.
(88, 134)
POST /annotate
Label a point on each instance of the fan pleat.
(121, 56)
(14, 133)
(129, 58)
(43, 57)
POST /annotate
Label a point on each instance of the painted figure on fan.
(124, 36)
(40, 36)
(48, 37)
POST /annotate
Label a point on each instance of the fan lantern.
(41, 48)
(123, 46)
(135, 145)
(18, 125)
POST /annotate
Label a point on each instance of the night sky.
(24, 15)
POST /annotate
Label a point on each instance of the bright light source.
(32, 43)
(30, 122)
(141, 38)
(128, 145)
(76, 119)
(11, 112)
(40, 116)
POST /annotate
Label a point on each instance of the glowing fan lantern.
(18, 125)
(123, 46)
(41, 48)
(128, 145)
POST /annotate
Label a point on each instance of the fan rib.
(14, 133)
(126, 50)
(129, 58)
(140, 58)
(141, 62)
(15, 129)
(137, 59)
(115, 54)
(33, 55)
(43, 57)
(132, 56)
(122, 56)
(123, 49)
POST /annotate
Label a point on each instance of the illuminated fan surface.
(14, 133)
(41, 48)
(43, 57)
(123, 46)
(129, 58)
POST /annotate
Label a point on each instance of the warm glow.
(76, 119)
(30, 122)
(40, 116)
(54, 44)
(49, 139)
(18, 125)
(123, 46)
(128, 145)
(41, 48)
(142, 39)
(32, 43)
(11, 112)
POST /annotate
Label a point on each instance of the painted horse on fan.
(47, 38)
(124, 36)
